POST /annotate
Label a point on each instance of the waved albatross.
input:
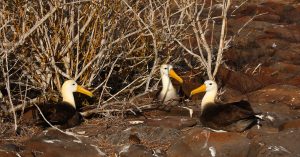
(64, 113)
(168, 94)
(235, 116)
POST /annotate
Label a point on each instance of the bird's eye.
(73, 84)
(166, 68)
(210, 83)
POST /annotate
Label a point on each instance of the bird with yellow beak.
(233, 116)
(168, 93)
(64, 113)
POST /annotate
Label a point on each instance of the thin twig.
(54, 127)
(38, 23)
(6, 74)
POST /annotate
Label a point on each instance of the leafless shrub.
(202, 21)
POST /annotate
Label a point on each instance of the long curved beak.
(198, 90)
(175, 76)
(84, 91)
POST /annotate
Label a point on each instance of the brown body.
(62, 114)
(236, 116)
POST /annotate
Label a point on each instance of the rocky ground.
(265, 63)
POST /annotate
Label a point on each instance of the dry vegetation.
(114, 47)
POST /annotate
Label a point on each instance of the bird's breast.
(168, 94)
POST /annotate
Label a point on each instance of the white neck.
(208, 98)
(69, 98)
(166, 83)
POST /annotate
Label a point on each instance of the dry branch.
(38, 23)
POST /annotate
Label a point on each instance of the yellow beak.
(198, 90)
(84, 91)
(175, 76)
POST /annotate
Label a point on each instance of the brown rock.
(286, 68)
(249, 33)
(243, 82)
(259, 28)
(288, 32)
(288, 55)
(277, 103)
(284, 143)
(259, 131)
(272, 7)
(268, 44)
(292, 14)
(180, 149)
(268, 13)
(280, 71)
(134, 139)
(4, 153)
(290, 125)
(90, 130)
(54, 143)
(275, 94)
(171, 122)
(295, 81)
(261, 41)
(200, 142)
(269, 17)
(160, 135)
(137, 150)
(274, 11)
(238, 57)
(274, 115)
(29, 153)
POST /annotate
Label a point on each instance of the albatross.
(234, 116)
(64, 113)
(168, 94)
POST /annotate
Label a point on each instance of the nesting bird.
(235, 116)
(168, 94)
(64, 113)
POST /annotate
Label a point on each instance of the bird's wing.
(229, 113)
(59, 112)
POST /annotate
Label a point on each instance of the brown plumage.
(235, 116)
(63, 113)
(230, 117)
